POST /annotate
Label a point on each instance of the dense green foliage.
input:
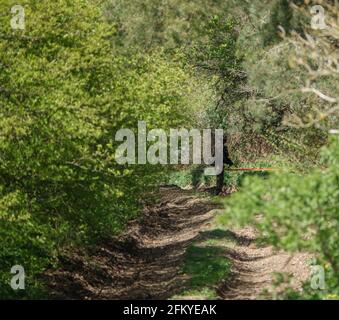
(272, 123)
(296, 212)
(170, 24)
(296, 209)
(281, 17)
(216, 56)
(81, 70)
(64, 94)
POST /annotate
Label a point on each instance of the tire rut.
(146, 262)
(254, 269)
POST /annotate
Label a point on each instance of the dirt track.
(254, 269)
(146, 262)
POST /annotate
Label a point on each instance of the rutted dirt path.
(254, 269)
(146, 262)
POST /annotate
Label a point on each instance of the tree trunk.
(227, 161)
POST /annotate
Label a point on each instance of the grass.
(190, 178)
(195, 178)
(207, 264)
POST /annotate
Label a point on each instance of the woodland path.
(147, 261)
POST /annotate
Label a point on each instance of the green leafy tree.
(216, 56)
(63, 96)
(296, 212)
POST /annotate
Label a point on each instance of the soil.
(255, 269)
(146, 262)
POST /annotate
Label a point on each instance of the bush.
(296, 212)
(63, 96)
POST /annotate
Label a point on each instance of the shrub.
(296, 212)
(63, 96)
